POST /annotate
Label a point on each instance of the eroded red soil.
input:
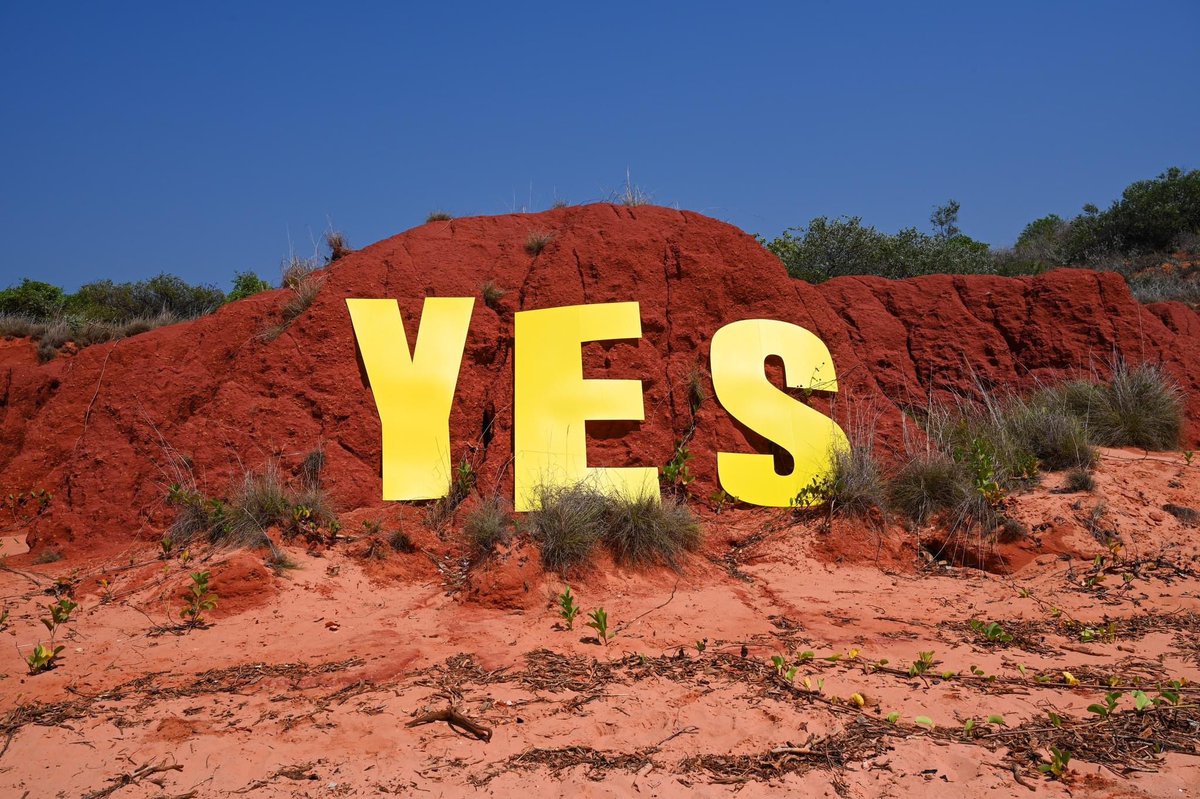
(303, 683)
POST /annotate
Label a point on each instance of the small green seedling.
(1141, 701)
(165, 547)
(201, 599)
(992, 632)
(1110, 704)
(599, 622)
(1187, 456)
(60, 613)
(922, 664)
(924, 721)
(567, 608)
(43, 658)
(782, 669)
(701, 646)
(997, 719)
(1169, 695)
(893, 717)
(1057, 767)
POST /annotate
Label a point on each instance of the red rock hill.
(97, 429)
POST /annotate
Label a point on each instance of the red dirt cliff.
(95, 428)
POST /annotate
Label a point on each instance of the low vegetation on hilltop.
(1151, 235)
(105, 311)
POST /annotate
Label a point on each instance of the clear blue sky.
(195, 138)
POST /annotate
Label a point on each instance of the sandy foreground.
(305, 683)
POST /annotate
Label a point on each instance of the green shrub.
(486, 526)
(260, 501)
(107, 301)
(32, 299)
(1144, 409)
(571, 521)
(647, 529)
(1079, 480)
(828, 248)
(858, 487)
(935, 485)
(568, 524)
(438, 216)
(1140, 406)
(401, 542)
(246, 284)
(1056, 438)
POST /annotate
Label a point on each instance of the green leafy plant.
(43, 658)
(1141, 701)
(818, 491)
(1059, 760)
(598, 621)
(1187, 457)
(921, 665)
(676, 474)
(200, 599)
(992, 632)
(719, 499)
(60, 613)
(924, 721)
(701, 646)
(1110, 704)
(567, 608)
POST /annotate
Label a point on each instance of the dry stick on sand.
(457, 721)
(143, 771)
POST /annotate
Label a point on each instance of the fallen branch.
(457, 721)
(145, 770)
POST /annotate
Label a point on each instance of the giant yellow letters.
(413, 393)
(552, 400)
(738, 355)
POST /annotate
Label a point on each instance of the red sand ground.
(304, 682)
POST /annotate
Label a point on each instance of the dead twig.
(457, 721)
(141, 772)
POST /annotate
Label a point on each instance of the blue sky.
(199, 139)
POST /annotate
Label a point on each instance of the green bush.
(107, 301)
(261, 500)
(568, 524)
(246, 284)
(486, 526)
(1079, 480)
(857, 487)
(1140, 406)
(571, 521)
(648, 529)
(936, 485)
(1057, 439)
(32, 299)
(828, 248)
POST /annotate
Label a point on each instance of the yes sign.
(552, 400)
